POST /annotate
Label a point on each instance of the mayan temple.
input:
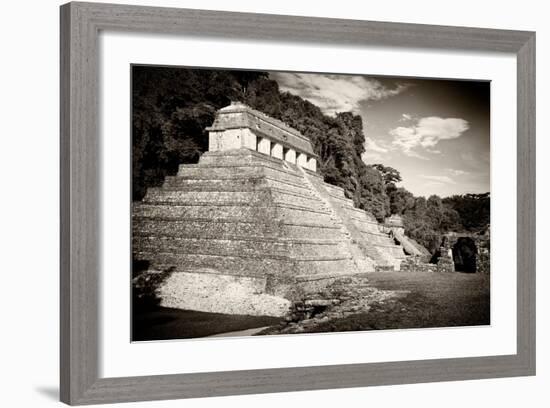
(253, 220)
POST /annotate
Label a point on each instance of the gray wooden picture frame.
(80, 192)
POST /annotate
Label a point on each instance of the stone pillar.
(290, 156)
(277, 150)
(249, 139)
(301, 160)
(445, 263)
(264, 146)
(214, 141)
(312, 164)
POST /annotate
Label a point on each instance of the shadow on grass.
(160, 323)
(435, 300)
(150, 321)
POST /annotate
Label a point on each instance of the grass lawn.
(160, 323)
(435, 300)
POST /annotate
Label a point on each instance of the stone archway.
(467, 252)
(465, 255)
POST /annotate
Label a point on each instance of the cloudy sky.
(435, 132)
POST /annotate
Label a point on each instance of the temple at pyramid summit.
(252, 224)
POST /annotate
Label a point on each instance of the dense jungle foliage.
(171, 107)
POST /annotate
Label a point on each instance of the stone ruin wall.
(482, 244)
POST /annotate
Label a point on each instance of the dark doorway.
(465, 255)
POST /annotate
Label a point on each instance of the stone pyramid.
(252, 225)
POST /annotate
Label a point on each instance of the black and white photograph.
(272, 203)
(275, 204)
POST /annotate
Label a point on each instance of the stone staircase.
(411, 247)
(376, 245)
(354, 242)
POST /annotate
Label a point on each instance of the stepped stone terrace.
(252, 226)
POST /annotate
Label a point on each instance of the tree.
(389, 174)
(401, 199)
(170, 109)
(474, 210)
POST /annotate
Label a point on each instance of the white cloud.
(426, 133)
(374, 146)
(439, 179)
(434, 151)
(405, 117)
(416, 155)
(456, 172)
(335, 93)
(371, 157)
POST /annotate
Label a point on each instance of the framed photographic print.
(283, 202)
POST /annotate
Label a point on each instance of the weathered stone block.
(218, 293)
(301, 160)
(290, 155)
(264, 146)
(277, 150)
(312, 164)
